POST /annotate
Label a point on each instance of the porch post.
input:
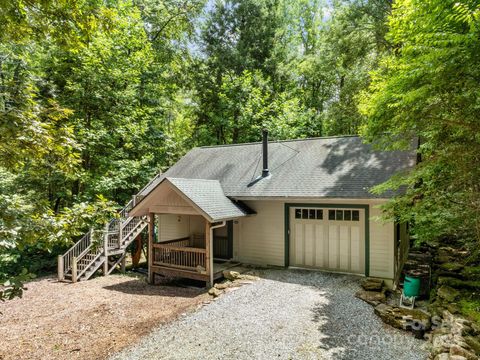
(123, 264)
(151, 226)
(74, 269)
(208, 254)
(60, 268)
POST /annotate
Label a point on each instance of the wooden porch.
(199, 256)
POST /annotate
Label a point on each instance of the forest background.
(97, 96)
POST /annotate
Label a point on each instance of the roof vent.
(265, 171)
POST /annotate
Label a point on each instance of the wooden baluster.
(105, 251)
(120, 233)
(74, 269)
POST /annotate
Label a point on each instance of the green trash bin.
(411, 286)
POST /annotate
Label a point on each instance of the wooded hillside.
(96, 97)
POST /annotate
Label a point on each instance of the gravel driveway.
(287, 314)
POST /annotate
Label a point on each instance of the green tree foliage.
(237, 70)
(68, 23)
(31, 232)
(309, 52)
(428, 88)
(348, 48)
(89, 100)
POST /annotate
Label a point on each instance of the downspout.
(211, 248)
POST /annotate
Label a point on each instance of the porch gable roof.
(206, 196)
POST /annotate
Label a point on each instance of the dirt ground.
(88, 320)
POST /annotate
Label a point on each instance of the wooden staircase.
(102, 249)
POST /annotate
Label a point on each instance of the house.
(296, 203)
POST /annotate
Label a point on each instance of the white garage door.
(330, 239)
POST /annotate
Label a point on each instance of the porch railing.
(179, 254)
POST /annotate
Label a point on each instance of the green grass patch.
(470, 308)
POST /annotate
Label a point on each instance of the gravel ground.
(284, 315)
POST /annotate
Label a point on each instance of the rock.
(449, 274)
(451, 266)
(475, 329)
(457, 350)
(444, 259)
(447, 251)
(474, 343)
(401, 318)
(440, 344)
(215, 292)
(448, 293)
(248, 277)
(231, 275)
(453, 308)
(471, 272)
(461, 329)
(468, 330)
(459, 341)
(448, 317)
(442, 330)
(463, 321)
(442, 356)
(222, 286)
(372, 297)
(459, 284)
(457, 357)
(436, 307)
(371, 284)
(445, 280)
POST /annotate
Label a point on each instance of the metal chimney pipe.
(265, 171)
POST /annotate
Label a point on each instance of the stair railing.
(68, 261)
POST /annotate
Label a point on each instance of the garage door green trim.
(337, 206)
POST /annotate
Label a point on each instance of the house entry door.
(223, 242)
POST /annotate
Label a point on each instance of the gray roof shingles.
(333, 167)
(208, 196)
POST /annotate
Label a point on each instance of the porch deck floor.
(218, 267)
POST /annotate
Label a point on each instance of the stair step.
(93, 269)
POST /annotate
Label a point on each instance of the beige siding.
(382, 242)
(259, 239)
(178, 226)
